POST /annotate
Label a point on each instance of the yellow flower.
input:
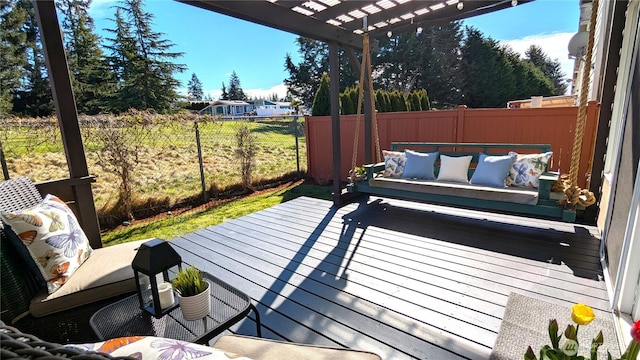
(581, 314)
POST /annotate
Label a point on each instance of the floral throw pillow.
(527, 168)
(394, 163)
(149, 347)
(53, 237)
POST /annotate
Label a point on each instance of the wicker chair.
(20, 290)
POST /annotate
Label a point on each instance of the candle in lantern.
(165, 293)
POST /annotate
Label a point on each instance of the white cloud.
(280, 90)
(102, 8)
(554, 45)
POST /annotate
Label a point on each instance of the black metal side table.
(125, 318)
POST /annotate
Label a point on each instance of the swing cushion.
(419, 165)
(527, 169)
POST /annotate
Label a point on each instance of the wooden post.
(295, 132)
(55, 58)
(334, 75)
(458, 132)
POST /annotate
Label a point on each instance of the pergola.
(339, 23)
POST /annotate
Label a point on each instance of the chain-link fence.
(164, 160)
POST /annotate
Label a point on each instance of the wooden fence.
(554, 126)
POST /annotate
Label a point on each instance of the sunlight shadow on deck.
(560, 243)
(407, 282)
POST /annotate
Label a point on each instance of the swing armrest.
(372, 169)
(546, 181)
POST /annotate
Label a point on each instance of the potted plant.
(194, 294)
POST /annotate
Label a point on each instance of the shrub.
(322, 100)
(246, 152)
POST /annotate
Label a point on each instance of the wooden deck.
(405, 280)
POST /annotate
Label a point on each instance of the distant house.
(228, 108)
(547, 101)
(270, 108)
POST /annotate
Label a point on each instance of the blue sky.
(215, 45)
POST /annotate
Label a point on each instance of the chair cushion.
(150, 347)
(265, 349)
(13, 241)
(53, 236)
(105, 274)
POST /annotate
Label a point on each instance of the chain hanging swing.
(356, 174)
(574, 195)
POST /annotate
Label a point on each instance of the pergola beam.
(440, 16)
(280, 17)
(67, 115)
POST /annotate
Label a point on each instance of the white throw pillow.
(454, 168)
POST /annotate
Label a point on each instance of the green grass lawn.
(166, 168)
(177, 225)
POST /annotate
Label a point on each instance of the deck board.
(406, 280)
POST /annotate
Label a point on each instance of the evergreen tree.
(353, 95)
(304, 78)
(425, 103)
(398, 63)
(13, 56)
(89, 73)
(440, 63)
(123, 64)
(414, 100)
(194, 88)
(322, 101)
(550, 68)
(410, 61)
(488, 75)
(380, 101)
(146, 80)
(387, 102)
(225, 94)
(349, 101)
(34, 97)
(235, 90)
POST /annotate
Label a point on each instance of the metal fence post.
(3, 162)
(204, 189)
(295, 131)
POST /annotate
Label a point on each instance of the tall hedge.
(346, 104)
(386, 101)
(322, 100)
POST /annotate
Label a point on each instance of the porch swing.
(368, 179)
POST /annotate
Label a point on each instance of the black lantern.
(155, 261)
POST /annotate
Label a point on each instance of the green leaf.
(529, 355)
(553, 333)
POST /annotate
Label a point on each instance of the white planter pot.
(197, 306)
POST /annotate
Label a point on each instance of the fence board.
(554, 126)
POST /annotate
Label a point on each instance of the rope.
(354, 175)
(572, 193)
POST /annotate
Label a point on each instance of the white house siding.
(622, 182)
